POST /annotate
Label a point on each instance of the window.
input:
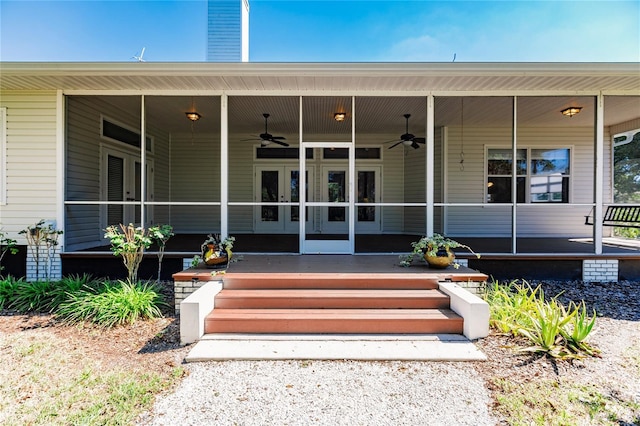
(3, 160)
(282, 153)
(499, 172)
(368, 153)
(120, 133)
(626, 167)
(542, 175)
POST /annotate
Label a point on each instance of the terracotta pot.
(443, 258)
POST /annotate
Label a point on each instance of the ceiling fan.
(267, 138)
(408, 139)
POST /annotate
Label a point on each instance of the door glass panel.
(137, 196)
(115, 189)
(269, 193)
(336, 185)
(366, 194)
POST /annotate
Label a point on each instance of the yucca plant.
(579, 328)
(547, 322)
(510, 304)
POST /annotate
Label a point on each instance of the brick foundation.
(600, 270)
(47, 269)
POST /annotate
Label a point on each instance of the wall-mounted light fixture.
(339, 116)
(571, 111)
(193, 116)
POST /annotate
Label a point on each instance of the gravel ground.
(412, 393)
(326, 393)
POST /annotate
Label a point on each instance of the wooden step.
(365, 321)
(330, 280)
(330, 298)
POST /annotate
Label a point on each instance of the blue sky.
(327, 31)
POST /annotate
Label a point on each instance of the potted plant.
(216, 252)
(436, 251)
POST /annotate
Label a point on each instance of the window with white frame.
(3, 157)
(626, 167)
(542, 175)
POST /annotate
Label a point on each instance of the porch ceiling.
(375, 114)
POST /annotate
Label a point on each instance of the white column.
(430, 165)
(302, 193)
(352, 178)
(598, 175)
(224, 165)
(60, 167)
(143, 160)
(514, 178)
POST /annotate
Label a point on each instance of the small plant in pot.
(436, 250)
(216, 252)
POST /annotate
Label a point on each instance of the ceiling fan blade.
(415, 145)
(395, 144)
(274, 140)
(419, 140)
(279, 137)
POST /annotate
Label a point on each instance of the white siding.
(414, 187)
(31, 171)
(195, 176)
(241, 179)
(393, 186)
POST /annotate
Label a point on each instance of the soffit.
(321, 77)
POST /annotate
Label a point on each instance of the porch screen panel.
(559, 169)
(115, 189)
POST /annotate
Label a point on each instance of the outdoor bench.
(624, 216)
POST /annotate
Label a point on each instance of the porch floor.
(189, 245)
(333, 263)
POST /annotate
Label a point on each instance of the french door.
(278, 191)
(122, 182)
(333, 232)
(367, 190)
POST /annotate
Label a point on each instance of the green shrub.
(116, 303)
(64, 289)
(31, 296)
(8, 289)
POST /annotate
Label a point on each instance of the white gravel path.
(325, 393)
